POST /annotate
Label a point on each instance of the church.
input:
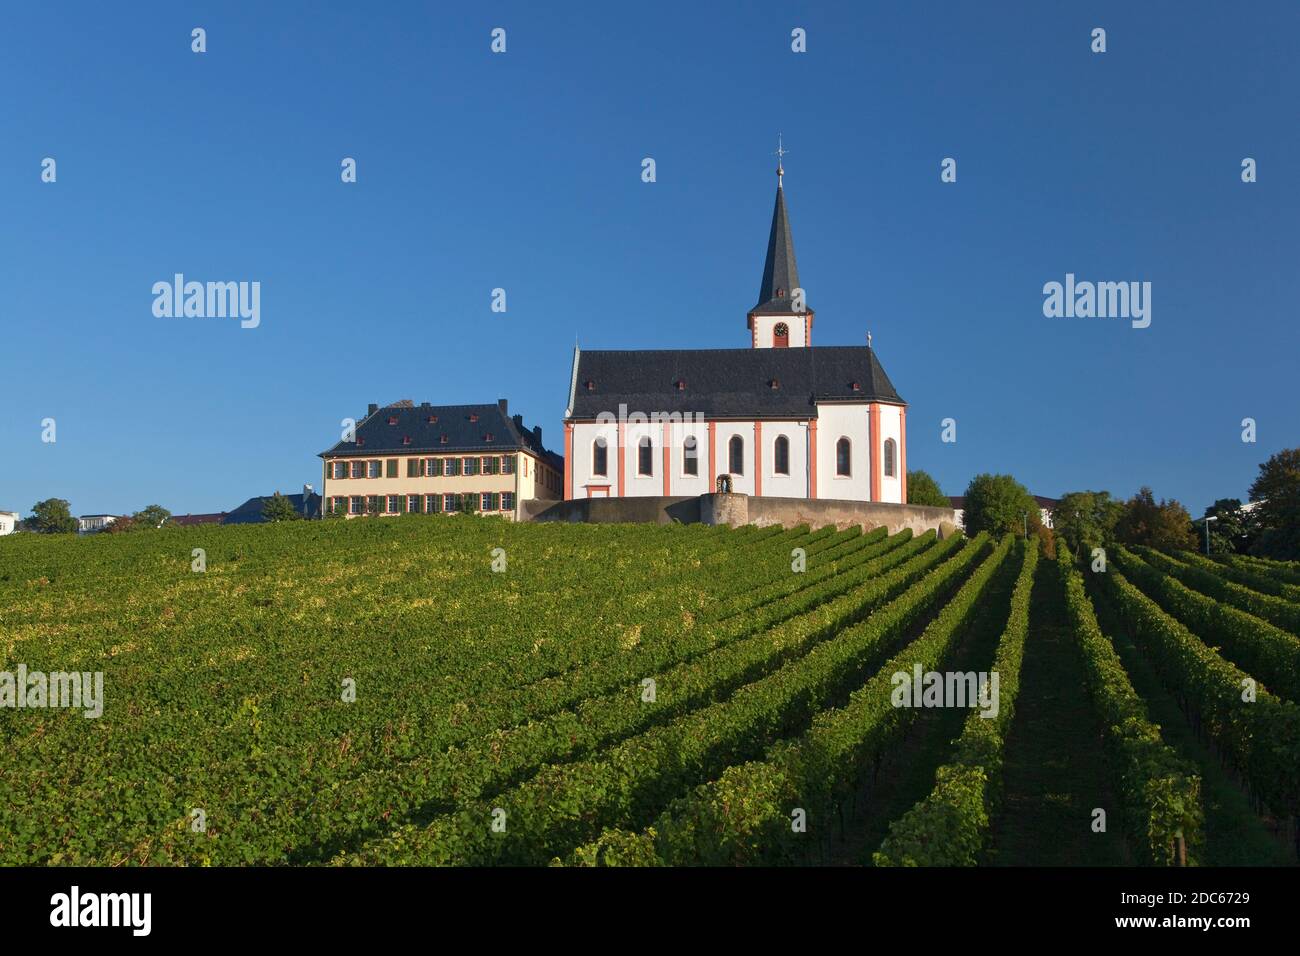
(780, 418)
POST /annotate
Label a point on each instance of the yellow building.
(438, 459)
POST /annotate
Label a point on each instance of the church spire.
(780, 273)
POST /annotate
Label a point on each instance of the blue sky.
(522, 171)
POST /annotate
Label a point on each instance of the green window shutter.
(392, 468)
(401, 504)
(496, 501)
(411, 465)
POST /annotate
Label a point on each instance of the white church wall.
(584, 436)
(765, 325)
(795, 484)
(891, 426)
(681, 483)
(833, 423)
(723, 432)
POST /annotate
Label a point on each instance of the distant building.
(429, 458)
(186, 521)
(1045, 508)
(89, 524)
(306, 504)
(9, 522)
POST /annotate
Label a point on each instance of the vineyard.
(468, 691)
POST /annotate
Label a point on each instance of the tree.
(1164, 524)
(279, 508)
(1277, 491)
(1086, 520)
(336, 509)
(1233, 531)
(52, 516)
(1001, 505)
(924, 490)
(151, 516)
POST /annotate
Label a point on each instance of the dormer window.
(780, 293)
(856, 386)
(433, 419)
(681, 384)
(489, 437)
(774, 383)
(360, 441)
(406, 439)
(589, 385)
(392, 419)
(473, 417)
(442, 439)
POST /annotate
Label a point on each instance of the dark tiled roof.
(375, 436)
(250, 512)
(186, 521)
(728, 383)
(780, 272)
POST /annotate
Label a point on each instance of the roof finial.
(868, 338)
(780, 151)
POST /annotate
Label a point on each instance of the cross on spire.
(780, 152)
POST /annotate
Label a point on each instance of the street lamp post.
(1207, 520)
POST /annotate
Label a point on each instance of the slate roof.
(375, 436)
(727, 383)
(250, 512)
(185, 521)
(780, 272)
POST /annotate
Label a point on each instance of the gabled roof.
(250, 512)
(186, 521)
(728, 383)
(780, 272)
(466, 428)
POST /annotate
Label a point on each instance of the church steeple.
(780, 292)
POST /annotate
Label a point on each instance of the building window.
(358, 505)
(736, 455)
(843, 452)
(392, 468)
(413, 468)
(645, 456)
(372, 469)
(433, 467)
(358, 469)
(471, 466)
(433, 503)
(599, 458)
(781, 456)
(450, 503)
(491, 464)
(486, 504)
(507, 501)
(781, 335)
(507, 464)
(340, 469)
(374, 504)
(690, 456)
(394, 504)
(890, 450)
(413, 504)
(453, 467)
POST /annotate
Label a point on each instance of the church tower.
(781, 319)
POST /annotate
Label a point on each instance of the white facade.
(8, 522)
(765, 331)
(90, 523)
(628, 472)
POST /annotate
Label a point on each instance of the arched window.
(645, 458)
(891, 450)
(843, 455)
(781, 335)
(736, 455)
(781, 456)
(600, 457)
(690, 456)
